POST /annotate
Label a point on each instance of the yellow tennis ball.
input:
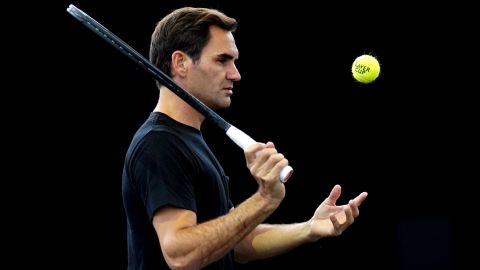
(365, 68)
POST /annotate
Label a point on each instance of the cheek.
(208, 76)
(202, 74)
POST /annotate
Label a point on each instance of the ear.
(179, 63)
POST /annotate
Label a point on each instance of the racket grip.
(244, 141)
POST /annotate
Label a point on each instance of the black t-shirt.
(169, 163)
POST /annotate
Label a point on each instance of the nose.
(233, 74)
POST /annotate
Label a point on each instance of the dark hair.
(187, 30)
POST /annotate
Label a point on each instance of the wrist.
(274, 193)
(311, 236)
(266, 201)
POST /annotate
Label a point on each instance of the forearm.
(204, 243)
(271, 240)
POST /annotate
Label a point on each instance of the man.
(176, 198)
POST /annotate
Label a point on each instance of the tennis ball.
(365, 68)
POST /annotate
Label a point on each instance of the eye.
(222, 60)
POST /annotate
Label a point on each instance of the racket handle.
(244, 141)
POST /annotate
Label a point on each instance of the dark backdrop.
(403, 138)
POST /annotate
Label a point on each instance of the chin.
(225, 104)
(221, 107)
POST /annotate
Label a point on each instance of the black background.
(405, 138)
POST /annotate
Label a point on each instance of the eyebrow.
(225, 56)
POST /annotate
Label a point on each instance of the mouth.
(229, 90)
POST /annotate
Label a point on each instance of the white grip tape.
(244, 141)
(285, 173)
(240, 137)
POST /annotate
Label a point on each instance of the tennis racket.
(235, 134)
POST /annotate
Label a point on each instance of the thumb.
(334, 194)
(270, 145)
(251, 151)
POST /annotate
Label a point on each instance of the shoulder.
(164, 137)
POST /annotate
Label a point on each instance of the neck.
(176, 108)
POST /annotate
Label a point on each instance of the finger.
(338, 227)
(354, 208)
(281, 163)
(336, 224)
(334, 195)
(266, 158)
(260, 157)
(348, 215)
(274, 162)
(251, 151)
(360, 198)
(270, 145)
